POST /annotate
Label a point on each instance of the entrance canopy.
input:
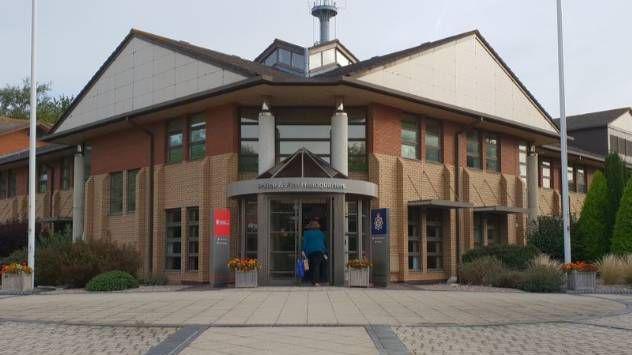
(302, 172)
(500, 209)
(445, 204)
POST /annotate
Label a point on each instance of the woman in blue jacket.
(314, 248)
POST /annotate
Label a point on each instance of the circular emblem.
(378, 223)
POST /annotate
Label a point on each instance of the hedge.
(112, 281)
(512, 256)
(591, 237)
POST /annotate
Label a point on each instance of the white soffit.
(463, 73)
(142, 75)
(623, 122)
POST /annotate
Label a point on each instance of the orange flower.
(359, 264)
(580, 266)
(246, 264)
(15, 268)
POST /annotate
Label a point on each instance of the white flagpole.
(563, 139)
(32, 143)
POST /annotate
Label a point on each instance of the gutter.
(150, 216)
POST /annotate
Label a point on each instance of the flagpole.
(563, 139)
(32, 143)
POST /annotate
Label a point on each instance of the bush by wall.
(59, 262)
(112, 281)
(591, 235)
(481, 271)
(616, 176)
(512, 256)
(541, 279)
(622, 234)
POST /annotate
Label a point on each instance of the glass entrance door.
(288, 217)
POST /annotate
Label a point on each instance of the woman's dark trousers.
(315, 261)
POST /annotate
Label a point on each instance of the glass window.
(434, 243)
(131, 190)
(197, 137)
(478, 231)
(571, 178)
(473, 150)
(341, 58)
(492, 153)
(175, 145)
(271, 59)
(581, 180)
(249, 138)
(66, 173)
(116, 193)
(414, 240)
(43, 179)
(298, 61)
(493, 230)
(432, 141)
(285, 57)
(193, 235)
(628, 148)
(11, 183)
(351, 217)
(410, 139)
(3, 184)
(251, 229)
(329, 57)
(307, 129)
(315, 61)
(357, 142)
(546, 174)
(522, 161)
(621, 148)
(173, 239)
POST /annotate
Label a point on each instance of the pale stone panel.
(142, 75)
(577, 203)
(624, 122)
(465, 74)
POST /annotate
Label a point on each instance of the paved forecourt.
(306, 306)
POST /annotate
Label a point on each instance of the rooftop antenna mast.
(324, 10)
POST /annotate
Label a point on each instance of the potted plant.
(580, 276)
(358, 272)
(17, 277)
(245, 271)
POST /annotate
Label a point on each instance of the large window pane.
(175, 151)
(66, 173)
(304, 131)
(581, 180)
(316, 147)
(131, 190)
(522, 159)
(42, 186)
(329, 57)
(473, 150)
(197, 137)
(492, 153)
(571, 178)
(434, 241)
(414, 240)
(173, 242)
(546, 174)
(298, 61)
(248, 156)
(285, 57)
(410, 139)
(433, 141)
(252, 227)
(116, 193)
(193, 235)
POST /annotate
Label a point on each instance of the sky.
(77, 36)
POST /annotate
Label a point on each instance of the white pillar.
(340, 140)
(266, 139)
(532, 184)
(78, 195)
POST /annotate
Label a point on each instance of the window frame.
(130, 190)
(523, 153)
(114, 198)
(487, 138)
(439, 126)
(358, 118)
(196, 123)
(193, 224)
(439, 240)
(544, 163)
(175, 127)
(67, 173)
(414, 220)
(581, 183)
(43, 179)
(414, 143)
(475, 137)
(572, 182)
(248, 117)
(175, 225)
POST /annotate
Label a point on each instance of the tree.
(616, 176)
(591, 235)
(622, 235)
(15, 102)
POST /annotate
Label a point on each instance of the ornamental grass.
(613, 269)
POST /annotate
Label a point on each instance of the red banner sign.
(221, 222)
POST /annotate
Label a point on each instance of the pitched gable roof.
(593, 119)
(235, 64)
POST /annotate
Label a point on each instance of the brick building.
(443, 134)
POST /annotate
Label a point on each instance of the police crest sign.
(379, 221)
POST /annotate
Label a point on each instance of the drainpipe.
(150, 217)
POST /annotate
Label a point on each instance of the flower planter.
(244, 279)
(581, 280)
(20, 282)
(359, 277)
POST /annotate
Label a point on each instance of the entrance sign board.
(220, 247)
(380, 248)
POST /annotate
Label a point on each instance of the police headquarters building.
(443, 135)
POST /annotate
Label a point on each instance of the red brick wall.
(222, 130)
(509, 156)
(14, 141)
(385, 135)
(126, 149)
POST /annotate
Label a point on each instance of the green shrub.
(514, 257)
(17, 256)
(508, 279)
(154, 280)
(622, 235)
(591, 235)
(617, 177)
(541, 279)
(63, 263)
(546, 234)
(112, 281)
(481, 271)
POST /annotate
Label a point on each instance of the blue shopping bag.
(300, 268)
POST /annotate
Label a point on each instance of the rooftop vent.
(324, 10)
